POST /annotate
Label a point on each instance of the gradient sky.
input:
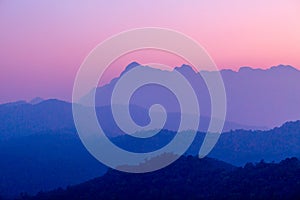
(43, 43)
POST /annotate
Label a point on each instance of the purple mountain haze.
(255, 97)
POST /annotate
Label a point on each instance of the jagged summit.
(184, 68)
(273, 68)
(283, 67)
(132, 65)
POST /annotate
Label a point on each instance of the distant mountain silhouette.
(191, 178)
(255, 97)
(25, 119)
(14, 103)
(22, 118)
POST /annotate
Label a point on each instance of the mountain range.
(256, 98)
(40, 148)
(45, 160)
(22, 118)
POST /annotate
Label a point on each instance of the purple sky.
(42, 43)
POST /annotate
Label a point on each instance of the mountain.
(255, 97)
(191, 178)
(57, 158)
(40, 150)
(263, 97)
(241, 146)
(22, 118)
(236, 147)
(256, 100)
(18, 120)
(44, 161)
(16, 103)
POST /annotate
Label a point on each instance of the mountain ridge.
(191, 178)
(249, 92)
(53, 114)
(57, 158)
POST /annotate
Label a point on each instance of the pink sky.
(43, 43)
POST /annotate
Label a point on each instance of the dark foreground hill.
(192, 178)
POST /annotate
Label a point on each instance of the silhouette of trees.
(192, 178)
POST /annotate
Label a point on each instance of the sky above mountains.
(43, 43)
